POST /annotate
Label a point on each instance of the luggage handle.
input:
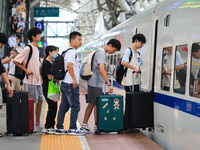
(111, 75)
(139, 81)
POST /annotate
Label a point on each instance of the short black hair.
(195, 47)
(3, 38)
(115, 43)
(33, 32)
(73, 35)
(140, 37)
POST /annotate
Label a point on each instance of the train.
(174, 24)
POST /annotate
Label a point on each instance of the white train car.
(174, 24)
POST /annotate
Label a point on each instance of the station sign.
(46, 12)
(40, 25)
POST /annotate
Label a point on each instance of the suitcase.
(31, 114)
(17, 114)
(109, 113)
(139, 109)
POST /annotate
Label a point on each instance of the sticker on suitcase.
(105, 105)
(116, 104)
(104, 99)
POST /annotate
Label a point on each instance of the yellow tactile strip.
(60, 142)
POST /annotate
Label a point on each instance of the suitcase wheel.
(120, 131)
(98, 132)
(150, 129)
(27, 134)
(31, 131)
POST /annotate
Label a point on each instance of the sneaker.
(44, 130)
(75, 132)
(60, 131)
(85, 128)
(50, 131)
(38, 128)
(95, 128)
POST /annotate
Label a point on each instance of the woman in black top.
(51, 52)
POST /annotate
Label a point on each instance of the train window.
(166, 68)
(180, 69)
(167, 21)
(195, 71)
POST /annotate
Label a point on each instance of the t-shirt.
(33, 65)
(11, 67)
(97, 80)
(167, 64)
(126, 55)
(19, 8)
(46, 69)
(136, 61)
(72, 57)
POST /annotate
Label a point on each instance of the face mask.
(54, 56)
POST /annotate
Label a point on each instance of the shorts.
(93, 92)
(35, 92)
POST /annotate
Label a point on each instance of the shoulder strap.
(66, 51)
(29, 57)
(130, 57)
(93, 59)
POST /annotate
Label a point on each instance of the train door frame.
(155, 51)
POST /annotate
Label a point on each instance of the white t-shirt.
(71, 56)
(167, 64)
(11, 67)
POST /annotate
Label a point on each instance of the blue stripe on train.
(186, 106)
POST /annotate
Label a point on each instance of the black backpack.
(58, 67)
(120, 71)
(19, 73)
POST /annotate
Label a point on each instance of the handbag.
(53, 91)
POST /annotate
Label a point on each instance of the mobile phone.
(11, 55)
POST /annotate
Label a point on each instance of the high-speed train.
(169, 24)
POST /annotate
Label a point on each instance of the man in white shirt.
(12, 41)
(70, 88)
(11, 70)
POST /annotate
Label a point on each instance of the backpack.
(19, 73)
(120, 71)
(86, 70)
(58, 67)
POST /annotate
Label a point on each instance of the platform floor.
(106, 141)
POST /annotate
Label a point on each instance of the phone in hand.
(11, 55)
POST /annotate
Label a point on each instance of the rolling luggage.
(109, 113)
(31, 114)
(17, 114)
(139, 109)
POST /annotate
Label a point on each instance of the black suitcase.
(17, 113)
(139, 109)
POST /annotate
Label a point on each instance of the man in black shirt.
(4, 40)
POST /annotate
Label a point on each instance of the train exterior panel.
(169, 24)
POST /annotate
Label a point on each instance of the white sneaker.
(38, 128)
(85, 128)
(51, 131)
(95, 128)
(44, 130)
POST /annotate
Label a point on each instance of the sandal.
(1, 135)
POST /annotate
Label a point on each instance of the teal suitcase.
(109, 114)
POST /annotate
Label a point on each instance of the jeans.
(69, 99)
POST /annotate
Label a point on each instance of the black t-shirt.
(46, 69)
(2, 69)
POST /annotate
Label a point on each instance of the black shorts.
(93, 92)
